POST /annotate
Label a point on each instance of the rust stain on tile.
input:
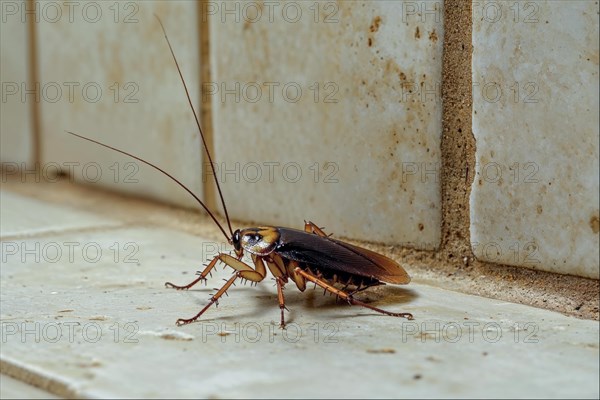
(433, 36)
(595, 223)
(375, 25)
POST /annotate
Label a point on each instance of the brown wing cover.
(335, 255)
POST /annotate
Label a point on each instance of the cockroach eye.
(236, 240)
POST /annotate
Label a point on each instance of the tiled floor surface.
(85, 313)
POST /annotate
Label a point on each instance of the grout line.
(208, 185)
(458, 142)
(34, 78)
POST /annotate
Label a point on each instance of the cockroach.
(302, 256)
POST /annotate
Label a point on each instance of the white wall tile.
(535, 74)
(367, 149)
(142, 106)
(16, 124)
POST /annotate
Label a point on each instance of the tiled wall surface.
(16, 122)
(535, 119)
(331, 111)
(105, 71)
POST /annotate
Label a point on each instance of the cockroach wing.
(337, 256)
(394, 273)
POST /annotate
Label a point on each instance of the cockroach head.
(260, 241)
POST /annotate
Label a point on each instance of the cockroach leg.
(212, 301)
(312, 228)
(202, 276)
(280, 287)
(297, 279)
(346, 296)
(243, 271)
(361, 288)
(228, 260)
(276, 266)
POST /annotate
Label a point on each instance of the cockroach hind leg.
(351, 300)
(310, 227)
(364, 287)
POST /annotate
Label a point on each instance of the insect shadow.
(311, 301)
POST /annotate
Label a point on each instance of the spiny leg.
(243, 271)
(228, 260)
(290, 269)
(280, 287)
(202, 276)
(278, 270)
(312, 228)
(346, 296)
(365, 287)
(213, 300)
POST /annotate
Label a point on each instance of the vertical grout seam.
(33, 78)
(208, 185)
(458, 142)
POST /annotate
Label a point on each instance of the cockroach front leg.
(310, 277)
(202, 276)
(213, 300)
(243, 271)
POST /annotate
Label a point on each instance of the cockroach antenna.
(203, 144)
(164, 172)
(187, 93)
